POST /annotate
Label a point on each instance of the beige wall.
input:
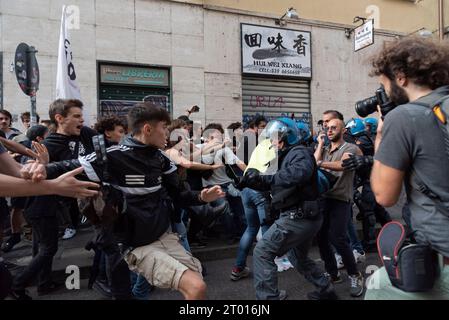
(396, 15)
(200, 44)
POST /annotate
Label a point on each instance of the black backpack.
(411, 267)
(106, 207)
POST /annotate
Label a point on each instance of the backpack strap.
(417, 184)
(440, 109)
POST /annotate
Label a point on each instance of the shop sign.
(364, 35)
(276, 51)
(130, 75)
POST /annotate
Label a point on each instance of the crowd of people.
(161, 186)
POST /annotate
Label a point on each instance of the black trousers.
(45, 234)
(116, 268)
(336, 215)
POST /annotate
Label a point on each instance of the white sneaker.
(279, 264)
(286, 263)
(282, 263)
(69, 233)
(359, 257)
(339, 260)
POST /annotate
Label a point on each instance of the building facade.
(183, 53)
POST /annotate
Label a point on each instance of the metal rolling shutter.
(274, 97)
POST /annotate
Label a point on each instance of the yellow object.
(440, 114)
(261, 156)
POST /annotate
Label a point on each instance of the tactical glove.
(252, 179)
(357, 162)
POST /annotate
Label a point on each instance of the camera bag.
(411, 267)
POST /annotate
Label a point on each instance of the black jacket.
(60, 147)
(148, 181)
(294, 179)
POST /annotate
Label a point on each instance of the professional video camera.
(367, 106)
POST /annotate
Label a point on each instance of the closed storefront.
(275, 97)
(121, 86)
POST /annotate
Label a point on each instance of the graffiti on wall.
(300, 116)
(266, 101)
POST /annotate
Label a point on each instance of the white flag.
(66, 85)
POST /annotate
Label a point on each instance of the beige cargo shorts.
(163, 262)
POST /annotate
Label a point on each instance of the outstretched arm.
(9, 166)
(65, 185)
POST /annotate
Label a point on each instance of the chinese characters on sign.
(300, 45)
(277, 43)
(275, 51)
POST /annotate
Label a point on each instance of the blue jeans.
(290, 235)
(181, 230)
(140, 287)
(254, 204)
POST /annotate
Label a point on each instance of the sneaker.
(69, 233)
(335, 279)
(325, 294)
(286, 263)
(359, 256)
(84, 222)
(339, 259)
(356, 285)
(279, 264)
(11, 242)
(239, 273)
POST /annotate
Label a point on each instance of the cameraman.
(410, 148)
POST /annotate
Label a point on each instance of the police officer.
(365, 201)
(371, 127)
(294, 193)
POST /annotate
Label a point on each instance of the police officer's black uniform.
(294, 193)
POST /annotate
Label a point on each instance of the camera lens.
(366, 107)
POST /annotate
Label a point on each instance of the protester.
(151, 248)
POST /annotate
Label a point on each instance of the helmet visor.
(275, 131)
